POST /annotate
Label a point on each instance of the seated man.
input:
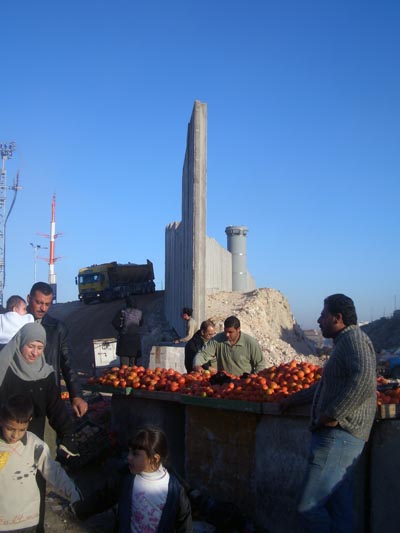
(232, 351)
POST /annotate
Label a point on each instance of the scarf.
(11, 356)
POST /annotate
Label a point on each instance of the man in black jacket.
(196, 343)
(58, 350)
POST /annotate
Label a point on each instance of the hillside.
(385, 332)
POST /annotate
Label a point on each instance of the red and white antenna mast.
(52, 259)
(52, 274)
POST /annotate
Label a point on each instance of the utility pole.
(36, 247)
(6, 152)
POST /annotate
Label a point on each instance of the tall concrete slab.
(185, 241)
(194, 263)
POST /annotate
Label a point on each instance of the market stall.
(244, 451)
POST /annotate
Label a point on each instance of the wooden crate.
(389, 410)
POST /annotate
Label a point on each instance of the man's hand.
(79, 406)
(328, 422)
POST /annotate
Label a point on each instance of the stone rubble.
(265, 314)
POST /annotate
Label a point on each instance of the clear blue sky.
(303, 137)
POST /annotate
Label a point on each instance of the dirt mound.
(265, 314)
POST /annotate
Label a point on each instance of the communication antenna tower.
(52, 236)
(6, 152)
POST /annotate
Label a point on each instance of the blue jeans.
(326, 504)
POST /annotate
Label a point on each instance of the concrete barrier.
(168, 357)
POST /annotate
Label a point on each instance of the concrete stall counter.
(243, 453)
(220, 454)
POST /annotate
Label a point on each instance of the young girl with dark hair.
(150, 499)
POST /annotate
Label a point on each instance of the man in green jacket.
(232, 351)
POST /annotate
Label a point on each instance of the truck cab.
(110, 281)
(93, 283)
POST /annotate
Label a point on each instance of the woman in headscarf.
(23, 370)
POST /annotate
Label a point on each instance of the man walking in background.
(343, 411)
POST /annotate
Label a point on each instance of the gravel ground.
(58, 518)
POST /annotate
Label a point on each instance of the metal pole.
(35, 257)
(6, 151)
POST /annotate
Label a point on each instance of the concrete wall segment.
(218, 267)
(195, 264)
(251, 282)
(199, 210)
(185, 246)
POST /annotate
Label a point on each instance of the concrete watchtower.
(237, 247)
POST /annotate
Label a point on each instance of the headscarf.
(11, 356)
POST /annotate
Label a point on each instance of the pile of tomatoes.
(269, 385)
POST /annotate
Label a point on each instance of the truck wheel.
(395, 372)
